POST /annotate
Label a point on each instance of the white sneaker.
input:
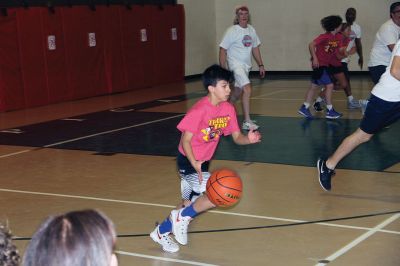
(167, 243)
(354, 104)
(363, 104)
(247, 125)
(180, 226)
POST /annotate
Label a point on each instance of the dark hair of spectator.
(84, 237)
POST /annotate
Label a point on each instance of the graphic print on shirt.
(352, 35)
(215, 128)
(247, 41)
(331, 46)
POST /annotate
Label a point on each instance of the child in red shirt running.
(202, 127)
(338, 71)
(322, 50)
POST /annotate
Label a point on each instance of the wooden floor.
(284, 217)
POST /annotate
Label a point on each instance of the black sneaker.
(324, 175)
(318, 106)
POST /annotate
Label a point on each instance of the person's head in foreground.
(84, 237)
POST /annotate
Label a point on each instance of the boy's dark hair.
(330, 23)
(393, 6)
(215, 73)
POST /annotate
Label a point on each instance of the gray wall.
(285, 27)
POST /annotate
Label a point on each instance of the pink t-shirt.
(326, 45)
(208, 123)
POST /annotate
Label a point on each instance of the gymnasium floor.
(117, 154)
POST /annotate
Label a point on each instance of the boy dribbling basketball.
(202, 127)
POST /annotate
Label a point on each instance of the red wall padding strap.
(84, 46)
(113, 54)
(54, 51)
(30, 36)
(137, 52)
(169, 43)
(11, 89)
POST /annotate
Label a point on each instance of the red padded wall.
(33, 74)
(113, 55)
(138, 55)
(11, 89)
(56, 71)
(170, 54)
(85, 65)
(32, 61)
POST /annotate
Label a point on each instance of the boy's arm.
(343, 53)
(314, 59)
(252, 137)
(352, 51)
(187, 147)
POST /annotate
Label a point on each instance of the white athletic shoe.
(167, 243)
(354, 104)
(247, 125)
(180, 226)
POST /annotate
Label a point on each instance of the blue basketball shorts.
(379, 114)
(321, 76)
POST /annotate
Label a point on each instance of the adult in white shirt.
(239, 43)
(385, 39)
(382, 110)
(355, 36)
(355, 41)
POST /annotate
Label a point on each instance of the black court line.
(260, 227)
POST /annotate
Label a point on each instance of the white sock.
(350, 98)
(307, 105)
(329, 106)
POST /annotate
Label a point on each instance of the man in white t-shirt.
(382, 110)
(355, 41)
(239, 43)
(355, 36)
(385, 39)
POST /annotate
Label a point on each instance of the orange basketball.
(224, 187)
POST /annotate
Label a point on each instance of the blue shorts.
(379, 114)
(376, 72)
(321, 76)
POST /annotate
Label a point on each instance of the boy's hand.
(254, 136)
(315, 63)
(197, 167)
